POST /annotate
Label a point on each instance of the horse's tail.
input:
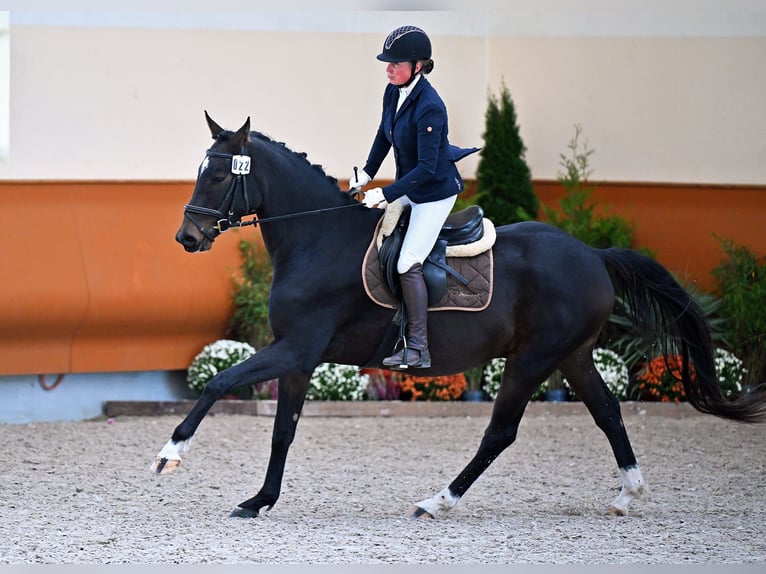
(657, 303)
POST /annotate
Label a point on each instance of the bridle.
(240, 167)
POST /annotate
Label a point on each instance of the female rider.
(414, 124)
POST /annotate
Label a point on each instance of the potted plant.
(493, 375)
(556, 388)
(661, 380)
(215, 358)
(474, 391)
(334, 382)
(383, 385)
(731, 373)
(429, 388)
(503, 178)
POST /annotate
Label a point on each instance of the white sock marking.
(440, 504)
(633, 486)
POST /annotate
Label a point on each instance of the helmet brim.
(386, 58)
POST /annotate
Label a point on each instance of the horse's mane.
(282, 148)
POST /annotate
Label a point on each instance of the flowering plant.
(333, 382)
(447, 388)
(661, 380)
(214, 358)
(730, 371)
(383, 384)
(493, 375)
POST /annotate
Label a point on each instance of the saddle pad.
(475, 296)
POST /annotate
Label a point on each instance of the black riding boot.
(415, 353)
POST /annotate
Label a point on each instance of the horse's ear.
(243, 134)
(215, 129)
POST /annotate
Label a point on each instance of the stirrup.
(399, 361)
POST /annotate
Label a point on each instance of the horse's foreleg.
(256, 369)
(292, 393)
(586, 381)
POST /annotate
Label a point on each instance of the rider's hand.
(374, 198)
(359, 179)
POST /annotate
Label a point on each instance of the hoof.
(614, 511)
(163, 465)
(416, 512)
(240, 512)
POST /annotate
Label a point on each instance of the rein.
(240, 166)
(257, 220)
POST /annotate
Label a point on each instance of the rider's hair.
(427, 66)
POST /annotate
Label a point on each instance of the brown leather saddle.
(460, 228)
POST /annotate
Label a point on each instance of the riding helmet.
(406, 44)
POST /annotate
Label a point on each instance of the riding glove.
(359, 179)
(374, 198)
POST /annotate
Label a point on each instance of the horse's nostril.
(186, 239)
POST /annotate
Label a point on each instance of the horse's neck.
(309, 239)
(291, 186)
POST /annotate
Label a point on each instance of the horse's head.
(224, 192)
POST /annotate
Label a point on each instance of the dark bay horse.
(552, 296)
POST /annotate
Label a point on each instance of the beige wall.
(125, 103)
(653, 109)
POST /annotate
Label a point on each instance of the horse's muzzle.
(191, 242)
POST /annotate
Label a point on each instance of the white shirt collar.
(407, 90)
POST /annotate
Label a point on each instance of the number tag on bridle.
(240, 164)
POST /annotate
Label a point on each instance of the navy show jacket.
(425, 160)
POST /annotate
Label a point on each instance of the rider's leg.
(426, 220)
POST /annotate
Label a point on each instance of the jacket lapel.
(419, 87)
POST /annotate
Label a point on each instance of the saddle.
(462, 228)
(461, 263)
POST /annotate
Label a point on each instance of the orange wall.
(93, 280)
(677, 222)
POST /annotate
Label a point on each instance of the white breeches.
(426, 221)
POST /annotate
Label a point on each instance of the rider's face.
(399, 72)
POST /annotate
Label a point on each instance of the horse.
(552, 296)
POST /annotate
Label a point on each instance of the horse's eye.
(219, 177)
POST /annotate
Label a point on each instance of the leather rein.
(240, 167)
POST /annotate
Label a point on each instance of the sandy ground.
(82, 493)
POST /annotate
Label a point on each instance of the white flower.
(730, 372)
(612, 368)
(214, 358)
(332, 382)
(493, 375)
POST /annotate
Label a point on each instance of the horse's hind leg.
(520, 380)
(586, 381)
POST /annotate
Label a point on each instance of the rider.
(414, 122)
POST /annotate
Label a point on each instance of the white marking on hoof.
(169, 458)
(633, 486)
(435, 507)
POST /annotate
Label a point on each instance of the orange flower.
(661, 380)
(445, 388)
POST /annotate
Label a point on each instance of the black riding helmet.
(406, 44)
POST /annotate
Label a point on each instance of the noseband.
(240, 167)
